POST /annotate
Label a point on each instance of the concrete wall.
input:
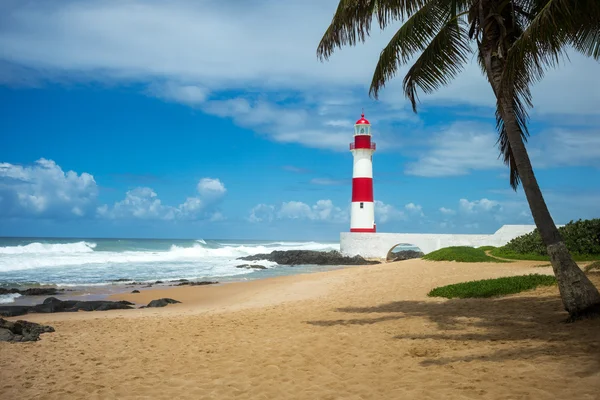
(377, 245)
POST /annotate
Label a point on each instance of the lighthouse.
(362, 214)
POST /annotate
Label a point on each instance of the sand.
(358, 333)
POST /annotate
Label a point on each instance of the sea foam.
(9, 298)
(221, 258)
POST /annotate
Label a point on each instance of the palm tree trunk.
(579, 295)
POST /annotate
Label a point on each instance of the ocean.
(78, 263)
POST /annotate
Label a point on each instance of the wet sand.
(358, 333)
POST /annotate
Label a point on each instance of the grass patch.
(512, 255)
(461, 254)
(492, 287)
(486, 248)
(593, 267)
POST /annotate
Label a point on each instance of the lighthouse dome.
(362, 120)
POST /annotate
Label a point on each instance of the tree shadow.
(533, 324)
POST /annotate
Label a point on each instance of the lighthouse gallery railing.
(353, 146)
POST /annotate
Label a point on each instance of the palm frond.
(587, 41)
(557, 25)
(441, 61)
(506, 152)
(412, 37)
(352, 20)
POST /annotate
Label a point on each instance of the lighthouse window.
(362, 130)
(362, 205)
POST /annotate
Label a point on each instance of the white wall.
(377, 245)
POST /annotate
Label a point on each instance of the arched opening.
(404, 251)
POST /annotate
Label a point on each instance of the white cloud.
(464, 147)
(415, 209)
(262, 212)
(210, 188)
(140, 203)
(484, 215)
(326, 211)
(180, 93)
(387, 212)
(458, 150)
(340, 123)
(322, 210)
(168, 41)
(45, 190)
(475, 206)
(565, 147)
(143, 203)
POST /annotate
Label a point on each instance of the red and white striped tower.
(362, 214)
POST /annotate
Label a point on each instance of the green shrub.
(511, 255)
(581, 237)
(486, 248)
(492, 287)
(460, 254)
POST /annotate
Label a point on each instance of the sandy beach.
(365, 332)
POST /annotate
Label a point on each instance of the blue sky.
(215, 119)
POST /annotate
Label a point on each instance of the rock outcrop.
(251, 266)
(52, 305)
(162, 302)
(21, 331)
(190, 283)
(309, 257)
(405, 255)
(33, 291)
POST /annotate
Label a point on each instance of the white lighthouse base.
(378, 245)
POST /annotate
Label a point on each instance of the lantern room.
(362, 126)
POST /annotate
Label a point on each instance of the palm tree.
(515, 41)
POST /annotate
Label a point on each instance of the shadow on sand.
(534, 326)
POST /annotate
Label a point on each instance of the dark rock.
(162, 302)
(33, 291)
(53, 305)
(13, 311)
(309, 257)
(135, 291)
(21, 331)
(251, 266)
(121, 280)
(201, 283)
(158, 282)
(404, 255)
(147, 286)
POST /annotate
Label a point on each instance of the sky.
(213, 119)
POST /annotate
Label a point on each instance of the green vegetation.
(492, 287)
(487, 248)
(581, 237)
(593, 267)
(542, 265)
(461, 254)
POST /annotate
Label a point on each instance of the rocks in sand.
(185, 282)
(135, 291)
(309, 257)
(404, 255)
(162, 302)
(21, 331)
(52, 305)
(33, 291)
(251, 266)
